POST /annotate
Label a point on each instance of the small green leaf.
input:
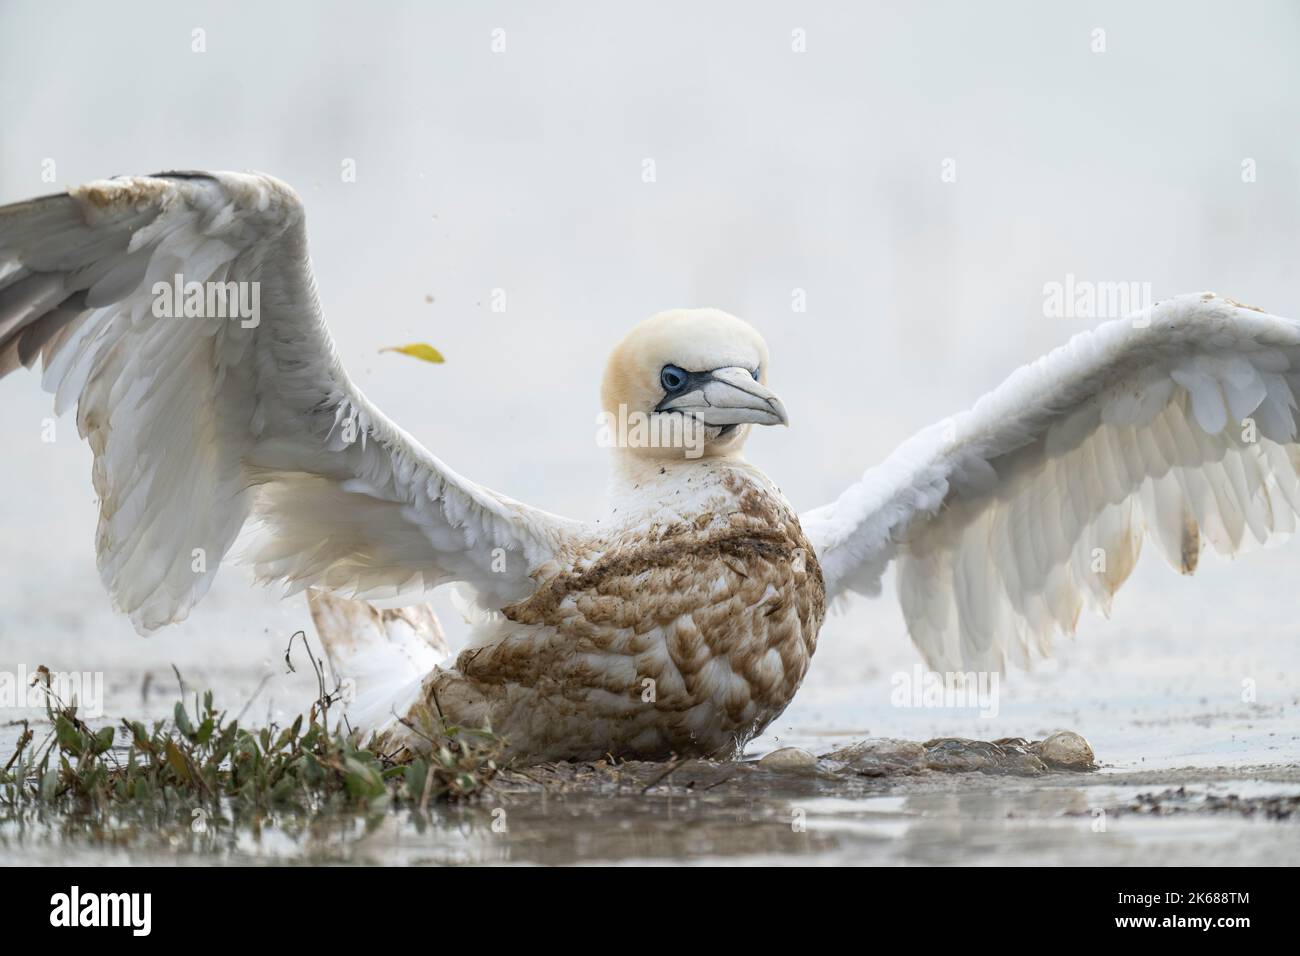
(68, 735)
(183, 720)
(204, 733)
(416, 773)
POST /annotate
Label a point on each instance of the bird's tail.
(379, 657)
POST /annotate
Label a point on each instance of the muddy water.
(1189, 700)
(880, 801)
(748, 812)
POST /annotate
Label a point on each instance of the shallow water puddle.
(882, 801)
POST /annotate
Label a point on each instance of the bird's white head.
(688, 383)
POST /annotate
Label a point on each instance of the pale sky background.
(776, 170)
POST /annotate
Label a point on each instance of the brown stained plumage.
(1191, 549)
(687, 637)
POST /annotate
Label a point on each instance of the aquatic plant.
(201, 758)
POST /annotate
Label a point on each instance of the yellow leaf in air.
(420, 350)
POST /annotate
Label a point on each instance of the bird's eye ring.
(672, 378)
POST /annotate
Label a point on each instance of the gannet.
(683, 621)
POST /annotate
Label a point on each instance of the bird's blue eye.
(672, 378)
(755, 374)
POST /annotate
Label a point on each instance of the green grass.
(202, 760)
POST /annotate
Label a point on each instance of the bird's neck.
(642, 486)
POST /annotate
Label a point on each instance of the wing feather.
(1180, 424)
(202, 426)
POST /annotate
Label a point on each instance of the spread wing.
(200, 425)
(1178, 423)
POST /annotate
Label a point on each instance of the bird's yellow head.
(687, 383)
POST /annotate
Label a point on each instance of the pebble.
(788, 758)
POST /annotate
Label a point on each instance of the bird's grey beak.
(726, 396)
